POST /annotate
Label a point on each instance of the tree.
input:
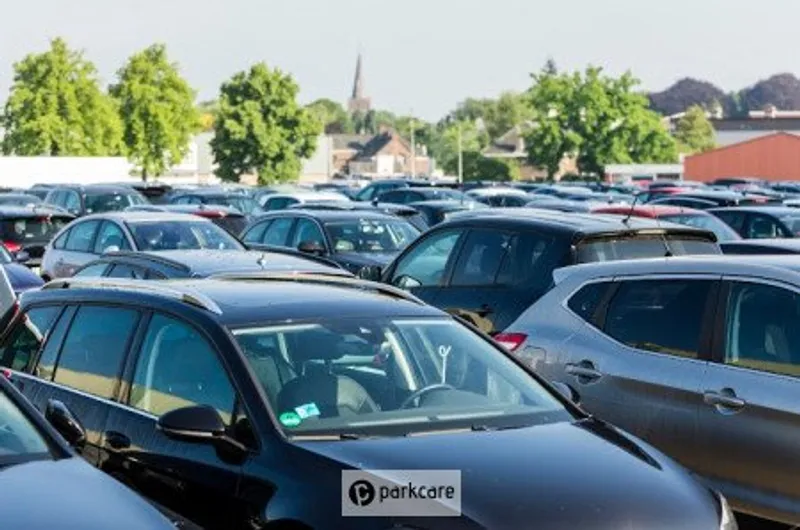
(510, 109)
(158, 112)
(694, 131)
(479, 167)
(208, 113)
(443, 145)
(332, 116)
(56, 108)
(261, 127)
(595, 118)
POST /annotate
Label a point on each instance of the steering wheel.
(425, 390)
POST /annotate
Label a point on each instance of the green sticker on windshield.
(289, 419)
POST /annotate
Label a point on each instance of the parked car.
(436, 212)
(154, 192)
(227, 217)
(19, 199)
(21, 277)
(697, 355)
(551, 203)
(762, 246)
(38, 464)
(345, 188)
(238, 402)
(40, 190)
(407, 213)
(170, 264)
(351, 238)
(500, 196)
(25, 231)
(84, 239)
(374, 189)
(96, 198)
(281, 201)
(246, 205)
(703, 199)
(679, 215)
(489, 266)
(412, 195)
(765, 222)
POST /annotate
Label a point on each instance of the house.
(383, 154)
(511, 146)
(773, 157)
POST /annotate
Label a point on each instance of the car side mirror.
(111, 248)
(567, 391)
(67, 425)
(200, 424)
(22, 256)
(372, 273)
(312, 247)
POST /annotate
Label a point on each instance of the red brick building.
(773, 157)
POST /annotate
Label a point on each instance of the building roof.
(352, 142)
(511, 144)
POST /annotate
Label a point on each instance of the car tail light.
(12, 246)
(510, 341)
(6, 373)
(210, 214)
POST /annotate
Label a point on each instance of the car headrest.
(317, 346)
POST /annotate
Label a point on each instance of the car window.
(305, 231)
(424, 265)
(733, 219)
(586, 301)
(20, 437)
(45, 367)
(24, 230)
(395, 197)
(761, 331)
(110, 236)
(92, 271)
(121, 270)
(531, 259)
(152, 274)
(367, 193)
(279, 203)
(664, 316)
(371, 235)
(278, 232)
(480, 258)
(256, 233)
(182, 235)
(763, 227)
(61, 241)
(72, 201)
(177, 368)
(112, 202)
(92, 354)
(27, 338)
(624, 247)
(81, 236)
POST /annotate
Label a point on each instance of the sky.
(420, 56)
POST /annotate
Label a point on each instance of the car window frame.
(126, 245)
(18, 324)
(297, 220)
(391, 274)
(93, 242)
(292, 219)
(461, 247)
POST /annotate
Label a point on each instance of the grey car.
(86, 238)
(698, 355)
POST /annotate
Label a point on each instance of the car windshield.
(182, 235)
(371, 235)
(392, 376)
(792, 222)
(24, 230)
(112, 202)
(642, 246)
(20, 441)
(245, 205)
(706, 222)
(19, 200)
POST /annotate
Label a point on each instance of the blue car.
(21, 277)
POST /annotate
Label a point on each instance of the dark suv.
(249, 402)
(490, 265)
(95, 198)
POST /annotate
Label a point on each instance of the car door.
(751, 411)
(277, 234)
(175, 365)
(640, 359)
(78, 248)
(422, 267)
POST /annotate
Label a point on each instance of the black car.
(26, 230)
(412, 195)
(154, 192)
(247, 205)
(352, 238)
(40, 190)
(402, 211)
(488, 266)
(436, 212)
(19, 199)
(761, 246)
(95, 198)
(239, 402)
(764, 222)
(229, 218)
(705, 199)
(170, 264)
(372, 190)
(39, 466)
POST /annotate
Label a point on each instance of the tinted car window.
(91, 357)
(585, 302)
(733, 219)
(761, 331)
(110, 235)
(121, 270)
(371, 235)
(664, 316)
(111, 202)
(47, 359)
(28, 337)
(256, 233)
(642, 246)
(307, 230)
(279, 203)
(61, 240)
(764, 227)
(182, 235)
(425, 264)
(481, 257)
(72, 201)
(177, 367)
(81, 236)
(278, 232)
(531, 260)
(92, 271)
(705, 222)
(24, 230)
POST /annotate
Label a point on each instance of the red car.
(676, 214)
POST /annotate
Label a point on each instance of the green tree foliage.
(261, 128)
(498, 116)
(597, 119)
(479, 167)
(443, 146)
(158, 111)
(694, 131)
(332, 116)
(56, 108)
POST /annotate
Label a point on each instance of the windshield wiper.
(485, 428)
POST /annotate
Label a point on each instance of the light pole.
(460, 157)
(413, 151)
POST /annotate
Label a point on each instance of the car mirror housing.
(372, 273)
(201, 424)
(65, 423)
(312, 247)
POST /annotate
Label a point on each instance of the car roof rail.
(193, 298)
(322, 279)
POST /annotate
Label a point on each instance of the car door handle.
(117, 440)
(584, 370)
(725, 398)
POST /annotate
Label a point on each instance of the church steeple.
(358, 102)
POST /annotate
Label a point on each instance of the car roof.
(776, 209)
(310, 196)
(784, 268)
(330, 215)
(126, 216)
(466, 204)
(32, 211)
(242, 302)
(99, 188)
(185, 208)
(648, 210)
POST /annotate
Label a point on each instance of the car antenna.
(633, 207)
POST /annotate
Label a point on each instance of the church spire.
(358, 82)
(358, 101)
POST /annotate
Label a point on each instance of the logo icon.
(362, 493)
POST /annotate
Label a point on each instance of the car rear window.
(32, 229)
(234, 224)
(643, 246)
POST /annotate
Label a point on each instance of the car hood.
(357, 259)
(69, 493)
(558, 476)
(21, 277)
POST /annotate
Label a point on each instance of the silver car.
(700, 356)
(86, 238)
